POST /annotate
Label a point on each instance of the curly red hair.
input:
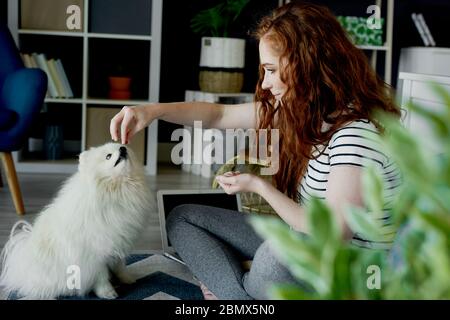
(328, 79)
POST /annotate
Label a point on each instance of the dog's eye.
(108, 156)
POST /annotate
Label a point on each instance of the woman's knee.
(266, 270)
(186, 213)
(177, 215)
(266, 261)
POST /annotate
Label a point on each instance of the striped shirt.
(352, 145)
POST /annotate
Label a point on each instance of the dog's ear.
(81, 160)
(82, 157)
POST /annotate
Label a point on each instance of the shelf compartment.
(132, 17)
(68, 49)
(69, 118)
(98, 118)
(48, 14)
(111, 57)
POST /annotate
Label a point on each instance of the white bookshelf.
(387, 47)
(416, 88)
(84, 101)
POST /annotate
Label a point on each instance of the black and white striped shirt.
(352, 145)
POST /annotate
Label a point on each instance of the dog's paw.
(106, 292)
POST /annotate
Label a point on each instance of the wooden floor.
(39, 189)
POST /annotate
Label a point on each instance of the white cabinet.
(425, 60)
(112, 33)
(417, 89)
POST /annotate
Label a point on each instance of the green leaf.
(298, 253)
(405, 150)
(342, 276)
(208, 22)
(363, 223)
(235, 7)
(373, 191)
(403, 203)
(216, 21)
(442, 196)
(367, 270)
(445, 96)
(290, 292)
(439, 124)
(322, 224)
(437, 222)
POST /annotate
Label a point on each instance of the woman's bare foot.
(207, 295)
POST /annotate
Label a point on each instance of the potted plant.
(119, 83)
(222, 58)
(418, 264)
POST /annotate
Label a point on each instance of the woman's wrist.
(260, 186)
(152, 112)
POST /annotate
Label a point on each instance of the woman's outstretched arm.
(131, 119)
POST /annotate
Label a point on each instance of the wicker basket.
(221, 81)
(251, 202)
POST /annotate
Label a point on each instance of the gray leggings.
(213, 242)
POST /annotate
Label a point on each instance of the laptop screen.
(221, 200)
(169, 199)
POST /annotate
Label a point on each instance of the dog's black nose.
(123, 150)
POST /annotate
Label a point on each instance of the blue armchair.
(22, 93)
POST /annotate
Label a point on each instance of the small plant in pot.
(119, 83)
(222, 57)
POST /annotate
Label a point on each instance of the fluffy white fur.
(92, 223)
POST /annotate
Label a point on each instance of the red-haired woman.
(319, 90)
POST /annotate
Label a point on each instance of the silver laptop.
(169, 199)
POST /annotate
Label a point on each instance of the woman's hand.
(235, 182)
(128, 122)
(286, 208)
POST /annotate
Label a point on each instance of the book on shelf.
(422, 28)
(58, 83)
(42, 64)
(34, 144)
(426, 29)
(67, 89)
(33, 62)
(26, 60)
(55, 77)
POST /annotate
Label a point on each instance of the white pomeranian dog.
(84, 234)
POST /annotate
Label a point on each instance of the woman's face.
(270, 61)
